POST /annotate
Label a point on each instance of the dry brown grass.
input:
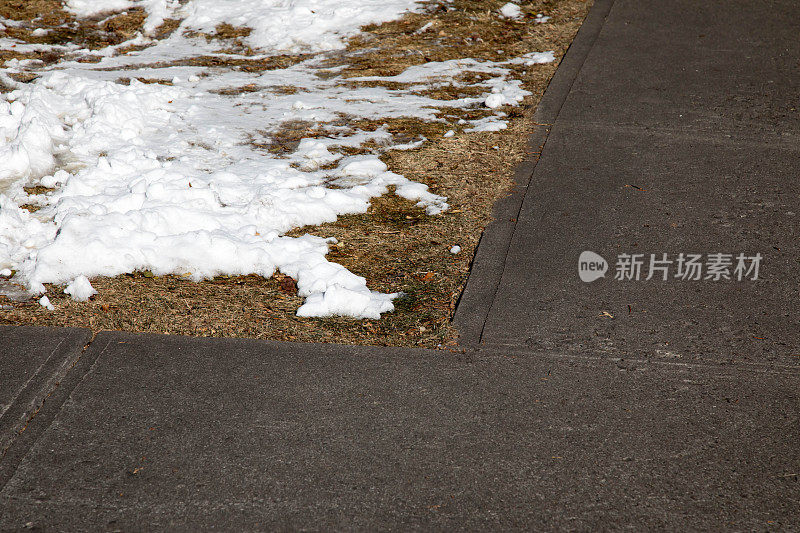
(63, 29)
(395, 246)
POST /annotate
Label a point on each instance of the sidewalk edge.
(489, 262)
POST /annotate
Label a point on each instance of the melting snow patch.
(511, 11)
(424, 28)
(296, 25)
(80, 289)
(171, 179)
(89, 8)
(488, 124)
(148, 196)
(533, 58)
(44, 301)
(495, 100)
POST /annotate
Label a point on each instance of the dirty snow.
(511, 11)
(172, 179)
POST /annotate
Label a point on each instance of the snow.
(438, 70)
(343, 301)
(80, 289)
(424, 28)
(487, 124)
(495, 100)
(89, 8)
(44, 301)
(534, 58)
(16, 45)
(157, 10)
(146, 196)
(277, 25)
(294, 25)
(511, 11)
(171, 179)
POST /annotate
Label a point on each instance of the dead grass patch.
(233, 36)
(395, 246)
(27, 10)
(62, 28)
(244, 64)
(286, 139)
(231, 91)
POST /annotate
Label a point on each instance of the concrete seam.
(46, 411)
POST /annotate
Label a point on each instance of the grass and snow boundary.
(164, 178)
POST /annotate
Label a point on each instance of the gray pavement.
(33, 362)
(194, 434)
(565, 407)
(697, 195)
(680, 133)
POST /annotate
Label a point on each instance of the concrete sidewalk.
(195, 434)
(670, 127)
(680, 134)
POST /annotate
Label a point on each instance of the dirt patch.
(395, 246)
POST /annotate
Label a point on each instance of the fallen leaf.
(288, 285)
